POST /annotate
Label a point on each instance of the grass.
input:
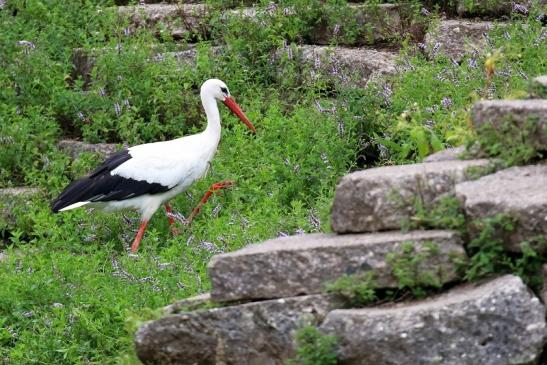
(70, 292)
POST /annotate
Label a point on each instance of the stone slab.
(74, 148)
(529, 115)
(456, 37)
(13, 202)
(520, 192)
(258, 333)
(498, 322)
(491, 8)
(449, 154)
(188, 304)
(383, 198)
(304, 264)
(355, 66)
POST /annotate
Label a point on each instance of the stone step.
(304, 264)
(13, 203)
(383, 198)
(350, 66)
(255, 333)
(178, 20)
(457, 37)
(491, 8)
(74, 148)
(449, 154)
(498, 322)
(521, 193)
(505, 117)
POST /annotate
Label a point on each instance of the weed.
(356, 290)
(314, 348)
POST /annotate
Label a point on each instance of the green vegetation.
(70, 292)
(314, 348)
(356, 290)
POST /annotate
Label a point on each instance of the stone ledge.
(304, 264)
(74, 148)
(449, 154)
(255, 333)
(383, 198)
(520, 192)
(498, 322)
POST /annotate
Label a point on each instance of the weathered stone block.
(258, 333)
(13, 203)
(449, 154)
(188, 304)
(498, 322)
(539, 87)
(75, 148)
(382, 198)
(355, 66)
(496, 116)
(179, 20)
(456, 38)
(520, 192)
(303, 264)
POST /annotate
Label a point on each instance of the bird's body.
(145, 176)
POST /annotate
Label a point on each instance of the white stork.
(146, 176)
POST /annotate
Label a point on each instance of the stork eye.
(224, 90)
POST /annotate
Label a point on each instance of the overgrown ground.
(70, 292)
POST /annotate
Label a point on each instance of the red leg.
(138, 237)
(215, 187)
(169, 210)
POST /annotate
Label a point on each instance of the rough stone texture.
(258, 333)
(180, 20)
(348, 65)
(497, 323)
(456, 37)
(75, 148)
(13, 202)
(544, 289)
(449, 154)
(188, 304)
(539, 87)
(529, 115)
(520, 192)
(382, 198)
(303, 264)
(375, 24)
(489, 7)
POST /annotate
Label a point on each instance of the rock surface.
(520, 192)
(13, 202)
(303, 264)
(75, 148)
(456, 38)
(498, 322)
(449, 154)
(525, 115)
(258, 333)
(539, 87)
(348, 65)
(188, 304)
(382, 198)
(491, 7)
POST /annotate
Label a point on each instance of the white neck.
(213, 117)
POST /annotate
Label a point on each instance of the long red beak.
(232, 105)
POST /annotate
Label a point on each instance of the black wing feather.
(101, 186)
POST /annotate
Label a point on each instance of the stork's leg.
(174, 229)
(215, 187)
(138, 237)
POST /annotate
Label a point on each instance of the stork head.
(218, 89)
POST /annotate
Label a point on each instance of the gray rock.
(188, 304)
(539, 87)
(525, 115)
(180, 20)
(383, 198)
(3, 256)
(258, 333)
(489, 7)
(13, 203)
(348, 65)
(303, 264)
(456, 37)
(520, 192)
(499, 322)
(449, 154)
(544, 289)
(74, 148)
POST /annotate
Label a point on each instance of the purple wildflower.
(126, 103)
(81, 116)
(317, 62)
(518, 8)
(341, 127)
(102, 92)
(117, 109)
(446, 102)
(336, 29)
(425, 12)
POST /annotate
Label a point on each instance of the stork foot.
(215, 188)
